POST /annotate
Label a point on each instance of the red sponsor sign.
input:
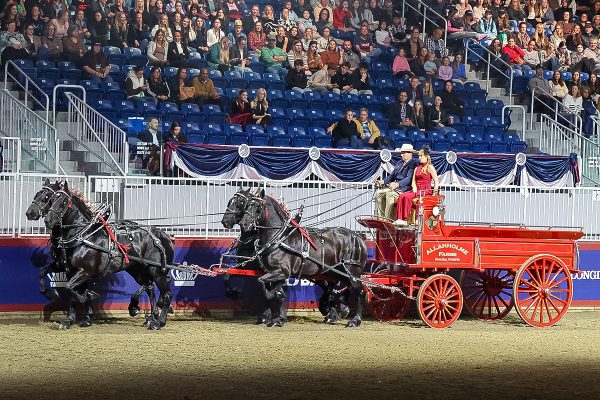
(453, 252)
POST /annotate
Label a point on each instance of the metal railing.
(26, 86)
(473, 42)
(62, 87)
(565, 113)
(37, 136)
(426, 9)
(100, 137)
(193, 207)
(10, 155)
(517, 106)
(17, 192)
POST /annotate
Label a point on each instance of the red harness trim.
(305, 234)
(123, 248)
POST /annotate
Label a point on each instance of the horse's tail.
(166, 242)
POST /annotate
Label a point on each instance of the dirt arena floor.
(217, 359)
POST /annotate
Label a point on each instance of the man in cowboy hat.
(397, 182)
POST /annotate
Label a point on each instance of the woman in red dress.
(421, 186)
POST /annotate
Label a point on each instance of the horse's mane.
(82, 203)
(280, 207)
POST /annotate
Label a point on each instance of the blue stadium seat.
(462, 146)
(218, 118)
(188, 108)
(281, 140)
(477, 129)
(114, 55)
(480, 147)
(322, 141)
(295, 112)
(209, 128)
(253, 129)
(518, 147)
(276, 130)
(191, 127)
(233, 128)
(302, 121)
(238, 138)
(500, 147)
(442, 144)
(260, 139)
(168, 106)
(198, 117)
(211, 108)
(314, 113)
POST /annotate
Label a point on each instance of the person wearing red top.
(342, 16)
(515, 54)
(423, 175)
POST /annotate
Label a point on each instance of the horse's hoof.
(153, 325)
(330, 321)
(86, 323)
(277, 323)
(134, 311)
(353, 324)
(170, 310)
(64, 325)
(344, 311)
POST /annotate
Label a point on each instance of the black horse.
(285, 250)
(333, 296)
(92, 247)
(38, 208)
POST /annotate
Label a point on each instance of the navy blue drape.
(208, 161)
(351, 167)
(484, 168)
(548, 169)
(278, 164)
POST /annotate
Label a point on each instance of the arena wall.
(20, 260)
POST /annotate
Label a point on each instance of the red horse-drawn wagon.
(500, 266)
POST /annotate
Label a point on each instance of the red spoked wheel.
(440, 301)
(488, 293)
(385, 305)
(543, 290)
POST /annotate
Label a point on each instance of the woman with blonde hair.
(219, 56)
(424, 174)
(539, 36)
(163, 24)
(269, 23)
(557, 36)
(260, 107)
(120, 31)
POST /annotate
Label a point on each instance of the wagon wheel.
(385, 305)
(440, 301)
(543, 290)
(488, 294)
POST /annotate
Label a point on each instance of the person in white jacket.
(214, 34)
(135, 84)
(573, 101)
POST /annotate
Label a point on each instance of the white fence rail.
(560, 140)
(38, 137)
(102, 138)
(10, 154)
(192, 207)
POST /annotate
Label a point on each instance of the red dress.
(423, 182)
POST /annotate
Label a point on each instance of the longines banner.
(20, 260)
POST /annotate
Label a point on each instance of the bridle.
(259, 205)
(46, 206)
(61, 214)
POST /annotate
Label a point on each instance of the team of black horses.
(84, 245)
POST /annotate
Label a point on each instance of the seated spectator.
(290, 8)
(400, 66)
(503, 25)
(307, 37)
(273, 57)
(575, 39)
(325, 38)
(417, 64)
(306, 21)
(400, 113)
(588, 110)
(313, 59)
(342, 80)
(345, 131)
(35, 18)
(157, 49)
(294, 34)
(178, 53)
(558, 88)
(413, 44)
(12, 44)
(320, 81)
(99, 29)
(214, 34)
(515, 54)
(297, 53)
(323, 20)
(349, 56)
(180, 91)
(532, 55)
(451, 103)
(428, 95)
(365, 46)
(419, 119)
(95, 64)
(382, 35)
(151, 135)
(548, 58)
(437, 116)
(459, 70)
(241, 112)
(515, 11)
(368, 131)
(566, 23)
(342, 16)
(73, 48)
(200, 42)
(361, 79)
(542, 96)
(358, 12)
(539, 36)
(238, 56)
(237, 33)
(157, 87)
(219, 55)
(33, 41)
(415, 91)
(285, 21)
(464, 27)
(269, 24)
(332, 57)
(487, 27)
(557, 36)
(435, 44)
(462, 8)
(260, 108)
(430, 66)
(119, 32)
(445, 70)
(135, 84)
(250, 21)
(257, 38)
(593, 84)
(139, 33)
(573, 101)
(119, 7)
(163, 25)
(205, 90)
(296, 78)
(51, 44)
(281, 39)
